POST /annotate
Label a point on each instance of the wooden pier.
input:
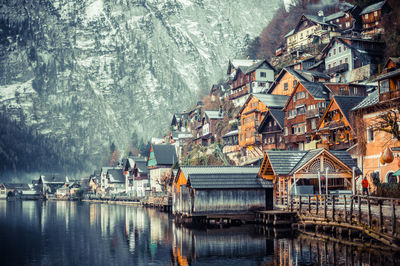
(163, 203)
(277, 218)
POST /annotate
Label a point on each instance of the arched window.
(390, 178)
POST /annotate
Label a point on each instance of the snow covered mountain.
(92, 72)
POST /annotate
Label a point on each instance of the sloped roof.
(224, 181)
(165, 154)
(116, 175)
(243, 62)
(55, 179)
(309, 155)
(142, 167)
(334, 16)
(257, 65)
(318, 20)
(289, 33)
(189, 170)
(346, 103)
(17, 186)
(315, 74)
(231, 133)
(370, 100)
(316, 89)
(345, 157)
(214, 114)
(282, 73)
(372, 8)
(277, 114)
(388, 75)
(271, 100)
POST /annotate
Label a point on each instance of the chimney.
(320, 13)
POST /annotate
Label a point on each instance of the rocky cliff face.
(92, 72)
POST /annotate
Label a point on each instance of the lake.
(81, 233)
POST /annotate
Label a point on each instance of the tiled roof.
(277, 115)
(306, 158)
(317, 90)
(257, 65)
(142, 167)
(283, 162)
(334, 16)
(271, 100)
(282, 73)
(346, 103)
(214, 114)
(243, 62)
(165, 154)
(188, 170)
(370, 100)
(17, 186)
(388, 75)
(289, 33)
(116, 175)
(315, 74)
(226, 181)
(317, 19)
(373, 8)
(345, 157)
(231, 133)
(55, 179)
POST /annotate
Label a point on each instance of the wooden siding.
(280, 86)
(250, 118)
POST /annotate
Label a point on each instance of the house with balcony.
(206, 131)
(336, 129)
(383, 102)
(372, 19)
(251, 114)
(285, 82)
(271, 129)
(352, 60)
(231, 145)
(348, 89)
(256, 78)
(302, 113)
(347, 20)
(310, 31)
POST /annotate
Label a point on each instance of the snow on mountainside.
(92, 72)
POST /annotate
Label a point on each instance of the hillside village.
(331, 110)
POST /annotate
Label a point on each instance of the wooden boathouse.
(214, 194)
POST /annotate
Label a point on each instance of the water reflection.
(76, 233)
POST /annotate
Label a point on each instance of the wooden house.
(308, 172)
(116, 181)
(104, 185)
(310, 31)
(231, 141)
(348, 89)
(255, 78)
(135, 169)
(302, 113)
(336, 128)
(251, 114)
(372, 19)
(302, 64)
(351, 59)
(347, 20)
(271, 128)
(368, 114)
(208, 190)
(50, 183)
(180, 122)
(206, 131)
(160, 160)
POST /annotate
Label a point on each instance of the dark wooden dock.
(277, 218)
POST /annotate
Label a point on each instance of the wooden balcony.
(314, 113)
(238, 94)
(338, 69)
(393, 94)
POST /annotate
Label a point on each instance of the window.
(390, 178)
(291, 113)
(398, 84)
(340, 62)
(384, 86)
(343, 89)
(301, 110)
(337, 20)
(285, 86)
(263, 74)
(286, 131)
(261, 84)
(334, 51)
(375, 13)
(329, 66)
(344, 48)
(313, 123)
(376, 22)
(330, 54)
(334, 64)
(347, 24)
(340, 49)
(370, 134)
(366, 16)
(275, 124)
(293, 130)
(355, 90)
(346, 60)
(294, 83)
(347, 15)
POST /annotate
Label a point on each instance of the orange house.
(383, 101)
(285, 82)
(251, 115)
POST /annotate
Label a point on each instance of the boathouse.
(309, 172)
(204, 190)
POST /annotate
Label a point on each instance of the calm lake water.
(79, 233)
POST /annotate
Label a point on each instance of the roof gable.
(373, 7)
(276, 115)
(261, 64)
(164, 154)
(318, 91)
(285, 71)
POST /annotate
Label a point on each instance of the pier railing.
(376, 216)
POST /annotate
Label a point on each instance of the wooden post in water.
(300, 204)
(393, 217)
(309, 204)
(325, 199)
(345, 208)
(359, 209)
(333, 207)
(351, 209)
(380, 216)
(317, 203)
(369, 213)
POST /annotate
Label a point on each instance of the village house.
(302, 113)
(115, 181)
(231, 145)
(160, 160)
(250, 115)
(336, 129)
(206, 131)
(310, 31)
(317, 171)
(50, 183)
(348, 20)
(21, 190)
(202, 190)
(137, 176)
(349, 89)
(369, 116)
(103, 178)
(350, 59)
(255, 78)
(271, 128)
(3, 191)
(372, 19)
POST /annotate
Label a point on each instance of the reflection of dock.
(163, 203)
(276, 218)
